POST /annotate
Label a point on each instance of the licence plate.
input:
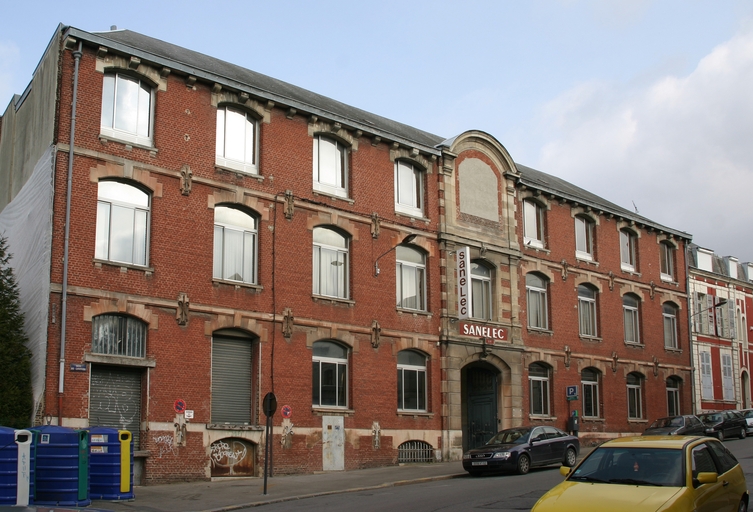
(479, 463)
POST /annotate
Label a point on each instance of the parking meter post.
(270, 406)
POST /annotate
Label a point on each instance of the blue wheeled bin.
(111, 464)
(16, 466)
(62, 466)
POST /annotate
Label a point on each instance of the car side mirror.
(564, 470)
(706, 478)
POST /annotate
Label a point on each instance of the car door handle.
(725, 483)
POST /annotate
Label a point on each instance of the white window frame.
(537, 295)
(667, 261)
(236, 223)
(635, 397)
(707, 378)
(630, 314)
(327, 283)
(673, 397)
(333, 181)
(117, 89)
(584, 238)
(416, 371)
(533, 224)
(408, 272)
(237, 132)
(409, 188)
(592, 386)
(628, 250)
(669, 315)
(481, 291)
(587, 322)
(116, 202)
(543, 385)
(728, 381)
(340, 365)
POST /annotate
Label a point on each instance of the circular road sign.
(179, 405)
(287, 411)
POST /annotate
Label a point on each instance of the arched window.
(127, 109)
(667, 261)
(630, 315)
(330, 273)
(330, 375)
(584, 238)
(590, 381)
(635, 395)
(119, 335)
(235, 245)
(533, 224)
(587, 311)
(411, 278)
(236, 140)
(536, 295)
(481, 291)
(673, 396)
(669, 312)
(330, 166)
(411, 381)
(122, 223)
(409, 188)
(628, 250)
(538, 378)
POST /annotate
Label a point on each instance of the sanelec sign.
(464, 283)
(483, 331)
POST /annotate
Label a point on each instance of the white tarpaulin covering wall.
(26, 222)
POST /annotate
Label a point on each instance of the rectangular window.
(409, 189)
(707, 385)
(411, 278)
(411, 389)
(236, 140)
(127, 109)
(330, 167)
(591, 399)
(627, 251)
(533, 224)
(667, 262)
(635, 406)
(329, 378)
(728, 387)
(584, 239)
(586, 311)
(539, 396)
(673, 401)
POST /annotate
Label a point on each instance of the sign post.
(270, 406)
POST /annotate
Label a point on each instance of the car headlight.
(709, 430)
(501, 455)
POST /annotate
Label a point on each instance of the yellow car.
(652, 473)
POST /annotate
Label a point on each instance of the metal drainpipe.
(693, 404)
(61, 376)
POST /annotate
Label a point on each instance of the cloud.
(681, 147)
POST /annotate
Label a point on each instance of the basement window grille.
(415, 451)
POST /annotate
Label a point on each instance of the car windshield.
(515, 436)
(710, 418)
(668, 422)
(632, 466)
(748, 414)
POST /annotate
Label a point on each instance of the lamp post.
(408, 239)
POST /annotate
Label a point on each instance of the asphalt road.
(502, 493)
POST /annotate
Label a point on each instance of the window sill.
(637, 420)
(123, 266)
(594, 339)
(630, 270)
(588, 261)
(238, 172)
(127, 143)
(673, 350)
(326, 411)
(142, 362)
(333, 300)
(413, 312)
(537, 249)
(237, 284)
(634, 345)
(594, 419)
(229, 426)
(541, 417)
(416, 414)
(414, 213)
(334, 196)
(536, 330)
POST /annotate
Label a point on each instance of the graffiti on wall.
(165, 445)
(232, 457)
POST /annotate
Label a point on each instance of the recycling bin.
(62, 466)
(17, 458)
(110, 464)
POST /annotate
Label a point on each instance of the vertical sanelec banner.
(464, 283)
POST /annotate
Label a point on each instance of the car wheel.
(524, 464)
(720, 435)
(570, 458)
(742, 507)
(742, 433)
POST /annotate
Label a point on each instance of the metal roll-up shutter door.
(115, 399)
(231, 380)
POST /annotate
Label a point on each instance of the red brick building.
(226, 235)
(721, 291)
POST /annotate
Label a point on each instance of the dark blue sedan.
(520, 449)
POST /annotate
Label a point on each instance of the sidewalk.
(233, 494)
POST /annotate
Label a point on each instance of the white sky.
(639, 101)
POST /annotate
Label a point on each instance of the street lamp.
(408, 239)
